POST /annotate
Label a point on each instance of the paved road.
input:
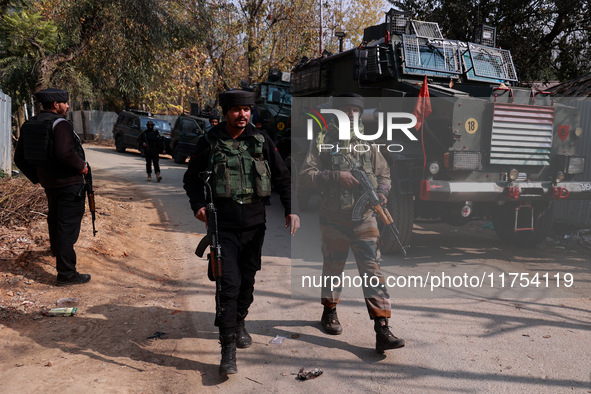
(460, 339)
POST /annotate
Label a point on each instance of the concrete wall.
(5, 133)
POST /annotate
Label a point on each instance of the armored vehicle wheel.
(178, 157)
(119, 145)
(504, 223)
(401, 207)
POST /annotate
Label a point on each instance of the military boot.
(158, 177)
(243, 338)
(330, 321)
(384, 338)
(149, 177)
(228, 363)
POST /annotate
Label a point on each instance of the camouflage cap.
(52, 94)
(232, 98)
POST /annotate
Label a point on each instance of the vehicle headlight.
(559, 176)
(513, 174)
(434, 168)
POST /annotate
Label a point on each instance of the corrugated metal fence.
(579, 212)
(5, 133)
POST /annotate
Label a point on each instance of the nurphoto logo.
(392, 123)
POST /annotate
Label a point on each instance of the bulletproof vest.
(337, 197)
(239, 168)
(37, 137)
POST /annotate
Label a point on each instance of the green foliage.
(28, 37)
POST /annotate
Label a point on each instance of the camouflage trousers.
(340, 235)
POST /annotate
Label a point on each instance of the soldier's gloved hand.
(347, 180)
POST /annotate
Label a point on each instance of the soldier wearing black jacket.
(152, 142)
(245, 163)
(59, 166)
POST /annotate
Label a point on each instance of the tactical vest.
(37, 136)
(337, 197)
(240, 171)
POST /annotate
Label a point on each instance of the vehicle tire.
(401, 207)
(504, 224)
(178, 157)
(119, 144)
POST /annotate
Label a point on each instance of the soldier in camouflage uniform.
(329, 173)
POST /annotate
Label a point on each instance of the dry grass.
(21, 202)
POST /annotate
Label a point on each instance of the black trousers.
(66, 209)
(241, 259)
(152, 157)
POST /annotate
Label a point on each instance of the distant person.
(214, 120)
(50, 152)
(239, 191)
(153, 144)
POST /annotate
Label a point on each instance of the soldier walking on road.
(152, 141)
(329, 172)
(244, 164)
(49, 152)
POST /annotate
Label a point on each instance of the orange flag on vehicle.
(423, 105)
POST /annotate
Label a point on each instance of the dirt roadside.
(139, 288)
(105, 347)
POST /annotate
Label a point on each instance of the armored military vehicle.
(488, 148)
(273, 103)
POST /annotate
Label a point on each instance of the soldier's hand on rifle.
(347, 180)
(293, 221)
(383, 198)
(85, 169)
(202, 215)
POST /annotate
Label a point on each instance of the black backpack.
(37, 137)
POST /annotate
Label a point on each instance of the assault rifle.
(370, 196)
(90, 194)
(214, 271)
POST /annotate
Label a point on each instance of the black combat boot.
(243, 338)
(384, 338)
(330, 321)
(228, 363)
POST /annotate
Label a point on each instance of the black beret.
(352, 99)
(232, 98)
(52, 94)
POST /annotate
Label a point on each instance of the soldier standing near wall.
(50, 152)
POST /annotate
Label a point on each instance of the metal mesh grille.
(435, 55)
(373, 64)
(492, 62)
(397, 23)
(306, 80)
(486, 35)
(467, 161)
(521, 135)
(426, 29)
